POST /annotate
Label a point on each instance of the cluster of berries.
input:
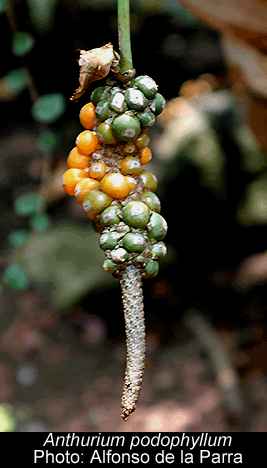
(106, 174)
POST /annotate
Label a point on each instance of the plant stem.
(131, 280)
(126, 62)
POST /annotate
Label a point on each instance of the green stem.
(126, 62)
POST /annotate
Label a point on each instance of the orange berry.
(87, 115)
(131, 181)
(71, 178)
(145, 155)
(129, 148)
(83, 187)
(98, 170)
(86, 142)
(77, 159)
(115, 185)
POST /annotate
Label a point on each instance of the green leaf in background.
(16, 80)
(2, 6)
(68, 261)
(7, 420)
(48, 108)
(40, 222)
(47, 141)
(27, 204)
(22, 43)
(15, 277)
(18, 237)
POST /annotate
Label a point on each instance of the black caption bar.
(163, 449)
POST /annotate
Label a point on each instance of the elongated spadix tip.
(132, 298)
(125, 414)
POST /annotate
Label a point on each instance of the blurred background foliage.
(58, 304)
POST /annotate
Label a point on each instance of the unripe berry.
(130, 166)
(83, 187)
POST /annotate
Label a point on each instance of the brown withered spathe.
(95, 64)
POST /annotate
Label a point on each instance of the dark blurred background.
(62, 339)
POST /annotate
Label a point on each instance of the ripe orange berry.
(86, 142)
(115, 185)
(77, 159)
(71, 178)
(129, 148)
(145, 155)
(83, 187)
(87, 115)
(98, 170)
(131, 181)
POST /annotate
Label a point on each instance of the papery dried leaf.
(95, 64)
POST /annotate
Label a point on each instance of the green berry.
(109, 240)
(134, 242)
(119, 255)
(149, 180)
(158, 250)
(158, 104)
(118, 103)
(130, 166)
(123, 229)
(109, 266)
(105, 134)
(114, 90)
(147, 119)
(147, 85)
(140, 259)
(157, 227)
(136, 214)
(126, 127)
(151, 269)
(110, 216)
(98, 94)
(102, 109)
(142, 141)
(135, 99)
(95, 202)
(151, 200)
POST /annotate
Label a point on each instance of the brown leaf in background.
(243, 29)
(95, 64)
